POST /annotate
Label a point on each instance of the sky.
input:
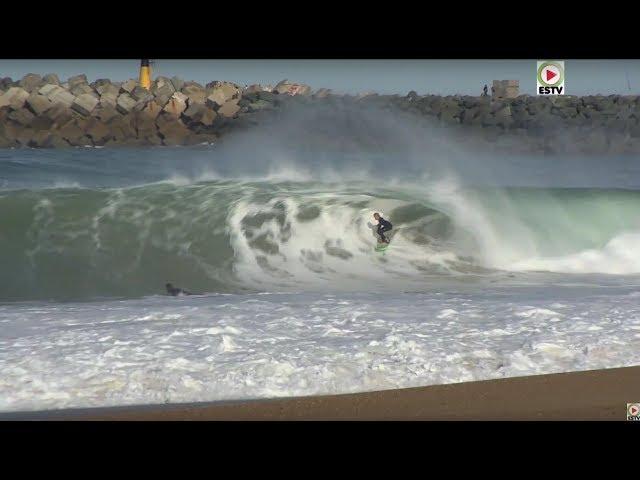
(440, 77)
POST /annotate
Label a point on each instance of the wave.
(233, 236)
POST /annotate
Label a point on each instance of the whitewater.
(499, 267)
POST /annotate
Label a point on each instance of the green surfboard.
(381, 247)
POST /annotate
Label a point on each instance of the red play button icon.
(550, 74)
(634, 410)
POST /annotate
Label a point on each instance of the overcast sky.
(445, 77)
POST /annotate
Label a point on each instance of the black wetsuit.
(175, 291)
(383, 226)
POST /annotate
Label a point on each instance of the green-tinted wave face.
(122, 242)
(230, 236)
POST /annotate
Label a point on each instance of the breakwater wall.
(45, 112)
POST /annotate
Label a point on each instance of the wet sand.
(589, 395)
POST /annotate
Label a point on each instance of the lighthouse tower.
(145, 74)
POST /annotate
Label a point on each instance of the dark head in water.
(174, 291)
(376, 216)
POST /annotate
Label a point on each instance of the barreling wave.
(234, 236)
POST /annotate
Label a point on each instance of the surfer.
(383, 226)
(175, 291)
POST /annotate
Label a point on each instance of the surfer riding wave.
(383, 226)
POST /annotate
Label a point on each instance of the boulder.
(229, 89)
(109, 99)
(449, 116)
(229, 109)
(128, 86)
(248, 98)
(191, 83)
(122, 128)
(216, 99)
(255, 88)
(55, 141)
(163, 98)
(288, 88)
(175, 135)
(208, 117)
(40, 139)
(140, 105)
(412, 95)
(197, 113)
(100, 83)
(164, 119)
(63, 97)
(503, 117)
(97, 131)
(84, 104)
(49, 89)
(468, 115)
(152, 109)
(59, 114)
(106, 112)
(520, 118)
(10, 130)
(108, 89)
(177, 83)
(24, 137)
(125, 103)
(82, 89)
(259, 105)
(176, 104)
(153, 139)
(30, 82)
(145, 126)
(372, 95)
(84, 141)
(159, 83)
(322, 93)
(171, 130)
(163, 90)
(5, 142)
(38, 104)
(268, 96)
(195, 93)
(22, 116)
(14, 97)
(77, 80)
(6, 83)
(141, 94)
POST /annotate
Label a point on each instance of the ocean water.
(499, 266)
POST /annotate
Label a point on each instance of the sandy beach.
(589, 395)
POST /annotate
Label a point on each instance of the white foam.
(334, 248)
(621, 255)
(252, 346)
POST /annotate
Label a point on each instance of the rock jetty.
(45, 112)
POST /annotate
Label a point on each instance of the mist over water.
(499, 265)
